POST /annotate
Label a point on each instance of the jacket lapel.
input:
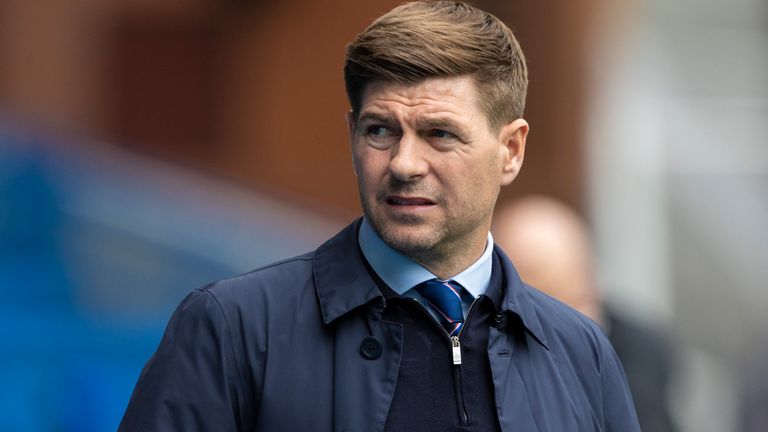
(518, 331)
(341, 278)
(364, 384)
(513, 400)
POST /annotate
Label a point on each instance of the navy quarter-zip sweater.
(432, 393)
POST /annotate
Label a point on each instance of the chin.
(409, 240)
(406, 234)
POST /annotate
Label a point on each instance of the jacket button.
(500, 321)
(370, 348)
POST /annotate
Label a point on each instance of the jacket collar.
(343, 283)
(517, 299)
(341, 276)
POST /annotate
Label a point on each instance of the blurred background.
(150, 147)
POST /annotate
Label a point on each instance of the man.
(409, 319)
(550, 246)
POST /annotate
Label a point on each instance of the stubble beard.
(410, 235)
(423, 240)
(440, 246)
(409, 238)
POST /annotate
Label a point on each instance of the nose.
(407, 161)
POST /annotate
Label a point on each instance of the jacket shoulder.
(569, 330)
(579, 345)
(285, 276)
(268, 297)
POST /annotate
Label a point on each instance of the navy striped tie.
(445, 298)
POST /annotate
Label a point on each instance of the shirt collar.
(344, 283)
(402, 273)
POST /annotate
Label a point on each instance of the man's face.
(429, 166)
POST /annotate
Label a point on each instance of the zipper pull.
(456, 350)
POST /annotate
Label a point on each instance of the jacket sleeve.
(191, 382)
(618, 407)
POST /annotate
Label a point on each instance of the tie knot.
(444, 297)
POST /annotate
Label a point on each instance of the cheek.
(494, 166)
(484, 168)
(481, 182)
(369, 166)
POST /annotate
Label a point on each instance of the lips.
(408, 201)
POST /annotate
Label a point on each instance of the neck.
(448, 263)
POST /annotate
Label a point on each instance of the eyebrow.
(437, 123)
(422, 123)
(369, 116)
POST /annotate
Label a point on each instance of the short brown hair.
(421, 39)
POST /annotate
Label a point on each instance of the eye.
(378, 131)
(443, 138)
(380, 136)
(439, 133)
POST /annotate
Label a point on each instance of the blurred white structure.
(679, 181)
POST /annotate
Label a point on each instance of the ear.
(349, 117)
(351, 125)
(512, 137)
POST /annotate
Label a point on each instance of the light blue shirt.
(402, 273)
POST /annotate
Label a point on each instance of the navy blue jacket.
(279, 349)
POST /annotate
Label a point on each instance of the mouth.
(408, 201)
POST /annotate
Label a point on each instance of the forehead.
(452, 97)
